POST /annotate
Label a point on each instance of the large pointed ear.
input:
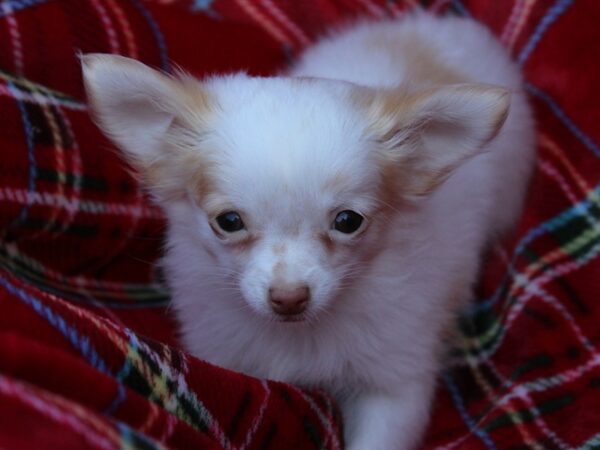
(431, 133)
(133, 104)
(148, 115)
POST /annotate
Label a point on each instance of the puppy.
(326, 226)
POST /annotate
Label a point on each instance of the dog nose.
(289, 300)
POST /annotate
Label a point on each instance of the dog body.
(325, 227)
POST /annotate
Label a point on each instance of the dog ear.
(133, 104)
(147, 114)
(432, 132)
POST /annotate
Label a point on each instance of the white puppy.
(324, 228)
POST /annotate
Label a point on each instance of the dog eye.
(230, 222)
(347, 221)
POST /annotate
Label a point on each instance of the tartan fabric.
(88, 352)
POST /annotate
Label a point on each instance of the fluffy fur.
(407, 123)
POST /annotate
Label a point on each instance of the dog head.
(291, 182)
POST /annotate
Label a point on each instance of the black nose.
(289, 300)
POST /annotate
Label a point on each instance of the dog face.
(292, 183)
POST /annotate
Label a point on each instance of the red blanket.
(88, 353)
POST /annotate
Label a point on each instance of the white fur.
(382, 300)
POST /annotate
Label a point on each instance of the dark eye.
(230, 222)
(347, 221)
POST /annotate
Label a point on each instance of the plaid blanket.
(88, 352)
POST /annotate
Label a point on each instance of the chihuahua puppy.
(326, 226)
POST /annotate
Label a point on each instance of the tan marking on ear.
(390, 185)
(199, 105)
(180, 171)
(184, 165)
(391, 191)
(150, 174)
(425, 182)
(189, 161)
(159, 177)
(401, 178)
(388, 111)
(202, 185)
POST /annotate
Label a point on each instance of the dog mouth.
(291, 318)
